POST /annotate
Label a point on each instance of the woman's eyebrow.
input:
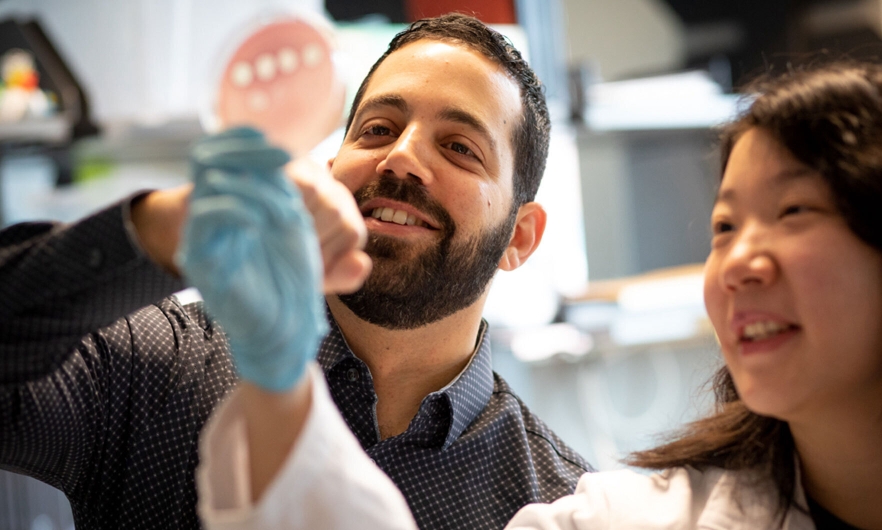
(777, 180)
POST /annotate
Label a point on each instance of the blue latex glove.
(250, 248)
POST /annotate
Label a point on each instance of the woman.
(793, 287)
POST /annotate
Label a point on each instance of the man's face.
(429, 159)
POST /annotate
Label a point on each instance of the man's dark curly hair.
(530, 138)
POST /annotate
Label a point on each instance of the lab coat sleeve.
(673, 499)
(327, 481)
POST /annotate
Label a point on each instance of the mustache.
(409, 192)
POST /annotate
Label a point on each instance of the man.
(445, 146)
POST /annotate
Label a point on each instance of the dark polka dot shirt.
(108, 408)
(473, 455)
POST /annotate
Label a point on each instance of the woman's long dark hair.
(829, 118)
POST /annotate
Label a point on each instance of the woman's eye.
(721, 227)
(794, 209)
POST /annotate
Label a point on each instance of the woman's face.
(795, 297)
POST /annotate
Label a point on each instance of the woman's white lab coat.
(328, 482)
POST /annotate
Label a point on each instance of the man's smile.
(383, 211)
(396, 216)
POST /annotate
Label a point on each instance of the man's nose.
(409, 157)
(750, 261)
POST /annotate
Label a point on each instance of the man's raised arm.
(59, 282)
(252, 250)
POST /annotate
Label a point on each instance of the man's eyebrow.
(384, 100)
(778, 180)
(466, 118)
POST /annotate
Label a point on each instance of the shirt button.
(352, 374)
(95, 258)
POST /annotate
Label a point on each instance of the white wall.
(624, 37)
(146, 61)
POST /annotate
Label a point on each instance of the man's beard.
(404, 293)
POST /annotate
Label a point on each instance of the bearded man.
(445, 146)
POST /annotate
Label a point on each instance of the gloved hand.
(250, 248)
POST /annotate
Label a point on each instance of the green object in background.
(92, 169)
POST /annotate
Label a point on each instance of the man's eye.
(461, 149)
(377, 130)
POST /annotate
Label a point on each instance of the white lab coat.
(328, 482)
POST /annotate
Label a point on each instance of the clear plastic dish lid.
(281, 79)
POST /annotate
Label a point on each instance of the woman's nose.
(409, 157)
(749, 262)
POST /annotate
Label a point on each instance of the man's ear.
(528, 230)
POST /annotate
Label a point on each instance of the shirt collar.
(466, 395)
(470, 391)
(333, 348)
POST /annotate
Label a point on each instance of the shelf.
(54, 130)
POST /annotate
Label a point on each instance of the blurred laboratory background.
(603, 332)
